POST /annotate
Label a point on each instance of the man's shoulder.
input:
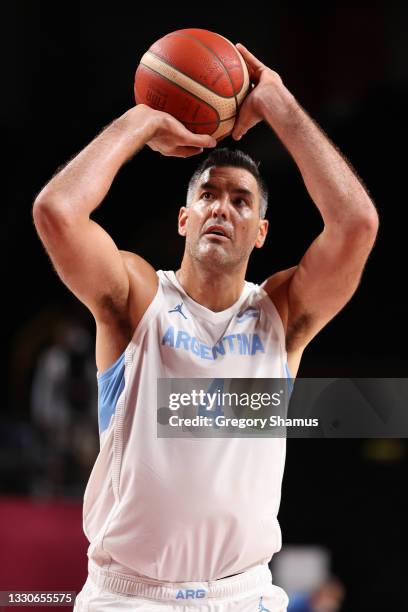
(143, 284)
(135, 264)
(276, 287)
(278, 280)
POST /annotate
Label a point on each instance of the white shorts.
(251, 591)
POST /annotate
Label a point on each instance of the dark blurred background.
(67, 72)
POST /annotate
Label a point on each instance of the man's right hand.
(171, 137)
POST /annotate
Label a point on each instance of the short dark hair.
(237, 159)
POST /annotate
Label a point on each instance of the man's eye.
(240, 202)
(206, 193)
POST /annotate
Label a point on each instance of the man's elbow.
(50, 218)
(371, 218)
(370, 222)
(362, 233)
(365, 222)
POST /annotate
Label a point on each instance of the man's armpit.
(298, 331)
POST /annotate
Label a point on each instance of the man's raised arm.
(83, 254)
(310, 294)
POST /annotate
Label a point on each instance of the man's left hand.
(264, 81)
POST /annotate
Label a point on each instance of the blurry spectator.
(64, 409)
(328, 597)
(304, 572)
(19, 454)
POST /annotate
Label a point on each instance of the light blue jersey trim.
(110, 385)
(290, 379)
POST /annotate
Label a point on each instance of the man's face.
(222, 224)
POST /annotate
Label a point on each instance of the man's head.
(234, 159)
(223, 219)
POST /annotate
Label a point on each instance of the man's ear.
(262, 232)
(182, 220)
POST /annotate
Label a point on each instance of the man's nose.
(220, 207)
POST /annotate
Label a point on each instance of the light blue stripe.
(110, 385)
(290, 379)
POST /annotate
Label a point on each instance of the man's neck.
(216, 290)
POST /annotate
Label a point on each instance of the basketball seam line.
(219, 59)
(209, 122)
(187, 91)
(190, 77)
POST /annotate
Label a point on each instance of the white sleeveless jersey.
(178, 509)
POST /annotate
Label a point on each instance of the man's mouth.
(217, 231)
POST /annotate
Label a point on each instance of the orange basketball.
(197, 76)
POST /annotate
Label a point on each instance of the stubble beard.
(215, 256)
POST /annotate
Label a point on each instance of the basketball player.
(183, 524)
